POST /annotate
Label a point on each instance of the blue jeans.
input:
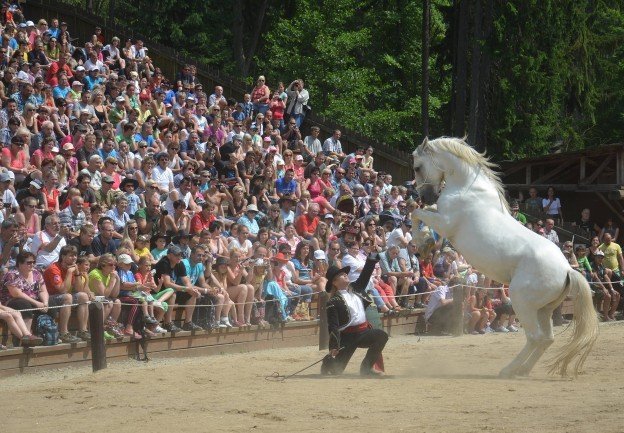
(259, 107)
(299, 119)
(379, 303)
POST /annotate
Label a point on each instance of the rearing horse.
(473, 214)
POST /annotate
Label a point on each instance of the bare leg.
(248, 303)
(82, 311)
(65, 313)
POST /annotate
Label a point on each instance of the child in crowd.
(161, 247)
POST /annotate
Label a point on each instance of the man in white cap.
(249, 220)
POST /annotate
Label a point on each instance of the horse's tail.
(584, 327)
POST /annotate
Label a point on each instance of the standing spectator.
(260, 96)
(439, 312)
(612, 255)
(297, 101)
(552, 205)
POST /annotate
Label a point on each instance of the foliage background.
(551, 72)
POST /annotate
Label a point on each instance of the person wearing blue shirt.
(249, 220)
(145, 135)
(287, 185)
(62, 89)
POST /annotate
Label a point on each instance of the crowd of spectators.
(156, 196)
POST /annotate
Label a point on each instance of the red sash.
(379, 363)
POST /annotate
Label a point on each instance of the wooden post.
(323, 332)
(96, 328)
(458, 311)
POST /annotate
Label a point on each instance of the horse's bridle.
(426, 180)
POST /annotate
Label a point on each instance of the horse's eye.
(417, 169)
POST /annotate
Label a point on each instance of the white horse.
(472, 213)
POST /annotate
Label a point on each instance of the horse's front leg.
(439, 222)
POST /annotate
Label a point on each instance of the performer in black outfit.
(346, 320)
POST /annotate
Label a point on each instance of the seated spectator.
(610, 228)
(439, 311)
(23, 288)
(104, 242)
(47, 244)
(608, 298)
(171, 273)
(306, 223)
(59, 280)
(248, 220)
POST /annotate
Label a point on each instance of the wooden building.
(592, 178)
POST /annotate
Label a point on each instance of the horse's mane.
(465, 152)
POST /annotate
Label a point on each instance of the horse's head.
(428, 174)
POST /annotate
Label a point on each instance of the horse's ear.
(425, 143)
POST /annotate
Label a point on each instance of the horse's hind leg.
(543, 341)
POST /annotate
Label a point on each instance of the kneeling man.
(347, 324)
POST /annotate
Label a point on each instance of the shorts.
(182, 298)
(506, 309)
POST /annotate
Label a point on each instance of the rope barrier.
(289, 297)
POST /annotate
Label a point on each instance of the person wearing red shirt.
(306, 223)
(55, 68)
(59, 277)
(202, 220)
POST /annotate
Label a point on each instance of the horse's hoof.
(506, 374)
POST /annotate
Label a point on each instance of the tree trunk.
(237, 36)
(484, 76)
(475, 71)
(458, 109)
(425, 67)
(253, 44)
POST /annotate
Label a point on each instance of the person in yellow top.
(612, 255)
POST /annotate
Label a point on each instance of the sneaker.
(68, 338)
(108, 336)
(512, 328)
(31, 340)
(501, 329)
(419, 305)
(487, 330)
(170, 327)
(150, 320)
(84, 335)
(190, 326)
(226, 322)
(159, 330)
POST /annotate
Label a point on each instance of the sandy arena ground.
(435, 384)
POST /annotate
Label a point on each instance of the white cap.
(30, 24)
(125, 259)
(320, 255)
(252, 208)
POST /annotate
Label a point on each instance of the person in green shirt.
(515, 212)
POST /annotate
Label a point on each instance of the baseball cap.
(125, 259)
(298, 157)
(76, 83)
(120, 99)
(108, 179)
(36, 183)
(175, 250)
(252, 208)
(4, 177)
(68, 146)
(599, 253)
(80, 68)
(320, 255)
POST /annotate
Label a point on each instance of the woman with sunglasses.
(104, 281)
(30, 118)
(28, 216)
(374, 234)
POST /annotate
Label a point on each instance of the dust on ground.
(434, 384)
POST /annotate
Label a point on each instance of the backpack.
(46, 328)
